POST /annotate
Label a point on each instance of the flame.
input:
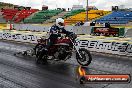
(81, 71)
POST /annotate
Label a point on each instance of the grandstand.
(73, 12)
(21, 15)
(8, 14)
(15, 15)
(92, 15)
(60, 15)
(116, 17)
(42, 16)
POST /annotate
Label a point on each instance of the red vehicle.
(62, 50)
(106, 31)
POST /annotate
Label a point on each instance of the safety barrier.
(110, 45)
(21, 36)
(115, 45)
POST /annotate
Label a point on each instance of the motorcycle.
(62, 50)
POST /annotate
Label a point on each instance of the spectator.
(81, 23)
(77, 24)
(107, 25)
(93, 23)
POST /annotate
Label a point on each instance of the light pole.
(87, 12)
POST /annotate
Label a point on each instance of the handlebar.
(72, 36)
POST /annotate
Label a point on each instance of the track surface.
(22, 72)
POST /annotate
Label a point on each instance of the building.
(115, 8)
(122, 7)
(77, 7)
(92, 8)
(44, 7)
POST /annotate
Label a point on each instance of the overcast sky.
(100, 4)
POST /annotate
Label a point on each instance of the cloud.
(106, 4)
(101, 4)
(17, 2)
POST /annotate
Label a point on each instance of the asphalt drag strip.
(22, 72)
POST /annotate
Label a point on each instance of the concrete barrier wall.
(82, 29)
(75, 29)
(129, 24)
(30, 27)
(128, 32)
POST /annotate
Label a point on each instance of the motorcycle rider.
(55, 32)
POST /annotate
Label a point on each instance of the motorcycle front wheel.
(85, 58)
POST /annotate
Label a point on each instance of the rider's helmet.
(60, 22)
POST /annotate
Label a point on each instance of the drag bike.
(62, 50)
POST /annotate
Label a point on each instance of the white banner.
(19, 37)
(107, 47)
(98, 45)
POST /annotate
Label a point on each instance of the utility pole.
(87, 12)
